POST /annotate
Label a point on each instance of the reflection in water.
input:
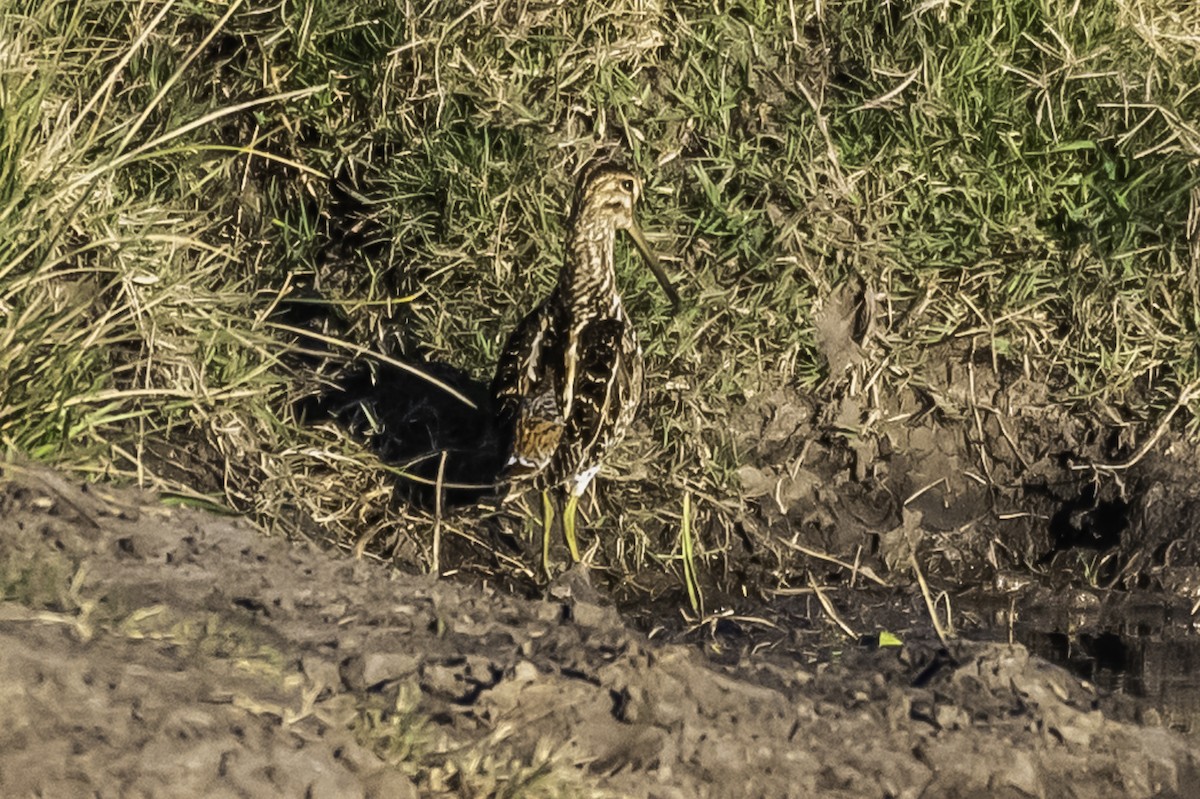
(1147, 648)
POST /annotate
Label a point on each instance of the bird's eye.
(627, 185)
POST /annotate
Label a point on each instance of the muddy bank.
(153, 651)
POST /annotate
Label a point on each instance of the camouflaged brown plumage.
(570, 377)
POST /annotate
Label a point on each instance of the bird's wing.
(525, 390)
(522, 362)
(602, 379)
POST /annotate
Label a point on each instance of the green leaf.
(887, 639)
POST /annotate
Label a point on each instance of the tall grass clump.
(131, 328)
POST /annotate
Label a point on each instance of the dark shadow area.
(1109, 655)
(431, 420)
(411, 422)
(1090, 522)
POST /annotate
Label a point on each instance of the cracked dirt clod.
(155, 652)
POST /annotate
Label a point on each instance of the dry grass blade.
(830, 610)
(854, 568)
(930, 605)
(1186, 396)
(360, 351)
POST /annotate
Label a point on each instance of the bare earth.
(151, 651)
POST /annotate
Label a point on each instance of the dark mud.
(153, 651)
(1073, 533)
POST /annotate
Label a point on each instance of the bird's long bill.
(639, 240)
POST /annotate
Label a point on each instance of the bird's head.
(607, 197)
(609, 194)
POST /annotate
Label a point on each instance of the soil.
(162, 651)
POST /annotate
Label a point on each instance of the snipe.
(570, 377)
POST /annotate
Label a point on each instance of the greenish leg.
(569, 526)
(547, 523)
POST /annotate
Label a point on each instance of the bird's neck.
(588, 280)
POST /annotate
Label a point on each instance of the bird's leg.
(569, 526)
(547, 524)
(578, 487)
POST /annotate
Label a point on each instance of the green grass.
(1004, 173)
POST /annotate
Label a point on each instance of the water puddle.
(1143, 645)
